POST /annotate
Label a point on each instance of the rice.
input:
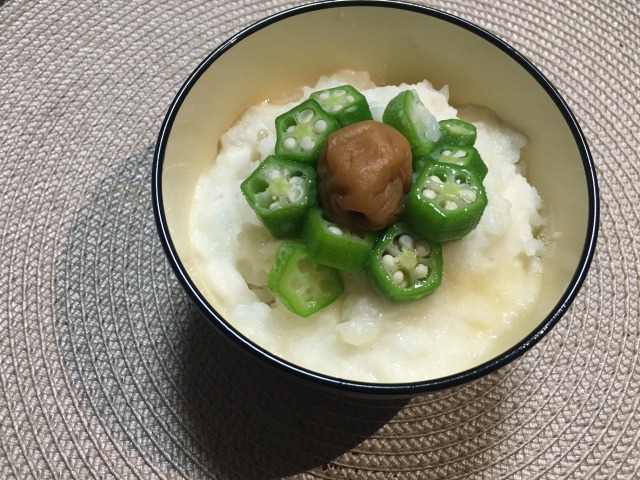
(491, 277)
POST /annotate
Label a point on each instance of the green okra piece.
(465, 157)
(404, 265)
(302, 285)
(345, 103)
(445, 202)
(334, 245)
(457, 132)
(302, 131)
(281, 191)
(407, 114)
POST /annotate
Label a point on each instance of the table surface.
(108, 370)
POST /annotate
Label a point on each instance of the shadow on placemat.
(272, 425)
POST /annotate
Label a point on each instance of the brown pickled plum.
(364, 173)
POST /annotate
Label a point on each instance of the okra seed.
(320, 126)
(324, 96)
(305, 116)
(307, 143)
(468, 196)
(460, 154)
(421, 270)
(405, 241)
(296, 180)
(339, 93)
(435, 178)
(450, 205)
(274, 205)
(290, 143)
(291, 129)
(422, 248)
(335, 230)
(272, 174)
(336, 108)
(430, 194)
(349, 99)
(388, 261)
(397, 277)
(295, 193)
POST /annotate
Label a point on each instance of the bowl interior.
(395, 45)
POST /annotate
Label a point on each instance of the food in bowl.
(490, 278)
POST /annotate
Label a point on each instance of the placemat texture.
(108, 370)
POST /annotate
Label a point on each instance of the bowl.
(395, 42)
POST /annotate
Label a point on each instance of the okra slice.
(336, 246)
(345, 103)
(445, 202)
(302, 131)
(407, 114)
(302, 285)
(281, 191)
(465, 157)
(457, 132)
(405, 266)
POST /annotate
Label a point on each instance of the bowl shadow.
(263, 423)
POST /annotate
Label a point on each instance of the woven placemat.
(108, 370)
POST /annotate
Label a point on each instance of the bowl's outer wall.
(395, 45)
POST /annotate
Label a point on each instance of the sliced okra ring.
(302, 285)
(457, 133)
(405, 266)
(345, 103)
(334, 245)
(466, 157)
(445, 203)
(407, 114)
(281, 191)
(302, 131)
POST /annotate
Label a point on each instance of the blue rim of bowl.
(366, 388)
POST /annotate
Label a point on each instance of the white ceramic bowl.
(395, 42)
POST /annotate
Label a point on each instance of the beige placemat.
(107, 369)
